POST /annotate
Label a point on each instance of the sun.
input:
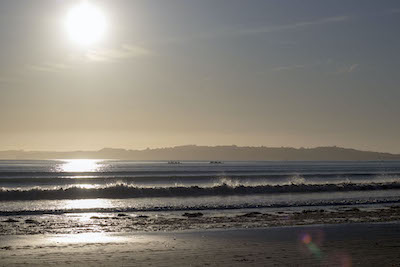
(86, 24)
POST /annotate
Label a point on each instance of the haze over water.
(83, 75)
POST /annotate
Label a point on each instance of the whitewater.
(163, 191)
(333, 182)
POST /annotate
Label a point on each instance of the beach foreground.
(316, 245)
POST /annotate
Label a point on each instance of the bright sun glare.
(80, 165)
(86, 24)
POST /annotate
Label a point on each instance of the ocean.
(57, 193)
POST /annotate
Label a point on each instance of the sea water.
(37, 187)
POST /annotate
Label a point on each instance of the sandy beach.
(316, 245)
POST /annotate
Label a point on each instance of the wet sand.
(317, 245)
(70, 223)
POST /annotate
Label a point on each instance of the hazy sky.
(275, 73)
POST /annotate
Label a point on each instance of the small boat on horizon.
(174, 162)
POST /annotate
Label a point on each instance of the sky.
(211, 72)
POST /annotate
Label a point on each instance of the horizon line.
(194, 145)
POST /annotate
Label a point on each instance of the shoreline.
(365, 244)
(135, 222)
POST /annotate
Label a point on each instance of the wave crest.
(225, 188)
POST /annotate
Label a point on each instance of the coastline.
(134, 222)
(224, 227)
(366, 244)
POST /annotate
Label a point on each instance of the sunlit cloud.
(98, 55)
(347, 69)
(293, 26)
(352, 68)
(293, 67)
(124, 52)
(394, 11)
(49, 67)
(218, 33)
(289, 67)
(343, 69)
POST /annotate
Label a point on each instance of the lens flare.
(311, 243)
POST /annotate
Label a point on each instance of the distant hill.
(193, 152)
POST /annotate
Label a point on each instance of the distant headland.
(215, 153)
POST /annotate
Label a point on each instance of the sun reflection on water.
(86, 238)
(81, 165)
(87, 186)
(88, 203)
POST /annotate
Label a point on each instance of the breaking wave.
(223, 188)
